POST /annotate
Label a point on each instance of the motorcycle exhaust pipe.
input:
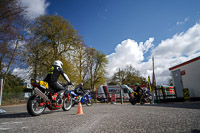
(41, 94)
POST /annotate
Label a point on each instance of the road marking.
(4, 123)
(1, 128)
(9, 125)
(24, 127)
(2, 111)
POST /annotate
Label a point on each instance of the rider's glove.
(70, 83)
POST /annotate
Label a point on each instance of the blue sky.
(130, 32)
(106, 23)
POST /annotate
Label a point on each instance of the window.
(125, 91)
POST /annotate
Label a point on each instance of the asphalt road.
(106, 118)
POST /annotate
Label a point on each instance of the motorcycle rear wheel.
(150, 101)
(67, 103)
(33, 106)
(142, 102)
(89, 102)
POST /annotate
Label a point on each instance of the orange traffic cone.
(79, 110)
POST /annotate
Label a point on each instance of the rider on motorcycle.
(79, 89)
(138, 90)
(54, 72)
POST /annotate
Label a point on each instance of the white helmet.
(58, 63)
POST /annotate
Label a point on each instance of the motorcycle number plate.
(43, 83)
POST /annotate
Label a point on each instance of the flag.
(149, 84)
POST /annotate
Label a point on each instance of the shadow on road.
(21, 115)
(177, 105)
(15, 115)
(195, 131)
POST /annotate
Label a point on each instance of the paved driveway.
(106, 118)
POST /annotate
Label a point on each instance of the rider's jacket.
(54, 73)
(79, 89)
(138, 89)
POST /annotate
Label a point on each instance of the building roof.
(184, 63)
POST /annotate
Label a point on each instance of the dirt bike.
(45, 96)
(85, 99)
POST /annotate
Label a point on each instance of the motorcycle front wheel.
(67, 103)
(89, 102)
(132, 100)
(142, 102)
(33, 106)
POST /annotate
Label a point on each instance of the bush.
(13, 90)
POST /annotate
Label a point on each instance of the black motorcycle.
(138, 98)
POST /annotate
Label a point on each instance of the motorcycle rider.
(138, 90)
(79, 89)
(54, 72)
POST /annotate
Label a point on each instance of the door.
(178, 83)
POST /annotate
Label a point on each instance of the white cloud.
(170, 52)
(24, 74)
(128, 52)
(182, 22)
(34, 8)
(181, 44)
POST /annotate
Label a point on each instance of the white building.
(187, 75)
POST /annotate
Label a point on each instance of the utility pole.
(121, 90)
(153, 82)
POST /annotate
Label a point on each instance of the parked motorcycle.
(85, 99)
(138, 98)
(147, 97)
(141, 98)
(46, 97)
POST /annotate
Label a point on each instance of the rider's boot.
(79, 98)
(54, 96)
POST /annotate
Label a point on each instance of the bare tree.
(129, 75)
(12, 33)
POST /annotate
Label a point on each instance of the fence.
(165, 94)
(13, 97)
(161, 94)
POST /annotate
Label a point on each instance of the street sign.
(186, 94)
